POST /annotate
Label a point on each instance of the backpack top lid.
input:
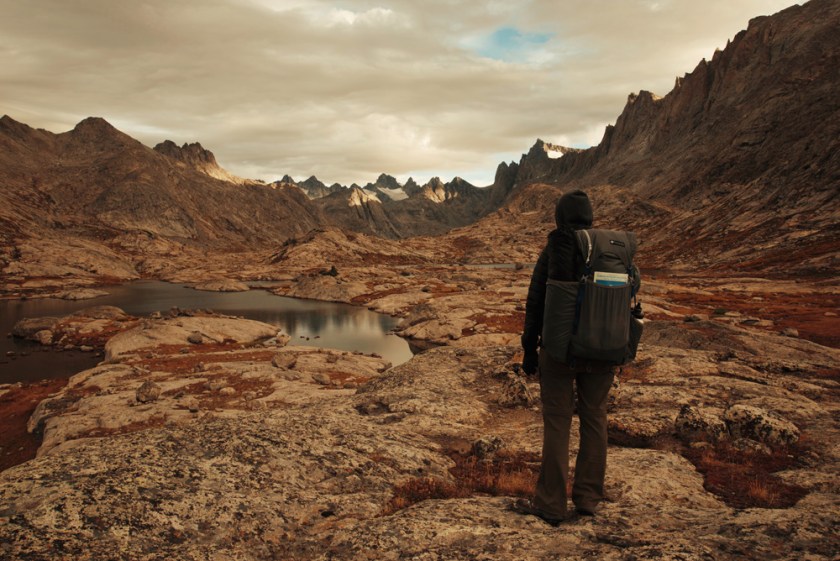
(607, 253)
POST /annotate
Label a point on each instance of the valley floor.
(724, 433)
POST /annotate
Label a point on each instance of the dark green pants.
(557, 390)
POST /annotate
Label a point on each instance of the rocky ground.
(204, 437)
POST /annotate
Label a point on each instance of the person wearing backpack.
(577, 331)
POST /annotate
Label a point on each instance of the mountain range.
(737, 168)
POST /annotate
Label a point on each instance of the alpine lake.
(308, 322)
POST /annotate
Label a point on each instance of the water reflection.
(308, 322)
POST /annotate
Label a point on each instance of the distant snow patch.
(554, 152)
(395, 194)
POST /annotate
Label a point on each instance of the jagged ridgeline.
(741, 160)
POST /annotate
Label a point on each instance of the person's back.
(561, 260)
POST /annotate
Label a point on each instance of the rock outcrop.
(197, 157)
(741, 156)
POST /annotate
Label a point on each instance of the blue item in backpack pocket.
(610, 279)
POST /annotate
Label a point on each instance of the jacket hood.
(573, 210)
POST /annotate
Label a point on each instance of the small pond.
(325, 324)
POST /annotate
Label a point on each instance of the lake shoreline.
(339, 325)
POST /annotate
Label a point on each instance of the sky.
(346, 90)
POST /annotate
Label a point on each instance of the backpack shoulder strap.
(584, 242)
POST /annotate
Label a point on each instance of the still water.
(337, 326)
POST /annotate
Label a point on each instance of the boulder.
(191, 403)
(486, 446)
(693, 423)
(175, 330)
(516, 393)
(747, 421)
(102, 312)
(322, 378)
(45, 337)
(28, 327)
(147, 392)
(284, 360)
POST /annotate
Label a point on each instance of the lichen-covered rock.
(284, 360)
(101, 312)
(148, 391)
(175, 330)
(487, 446)
(757, 424)
(517, 393)
(437, 330)
(44, 337)
(28, 327)
(322, 378)
(693, 423)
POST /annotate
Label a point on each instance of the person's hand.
(530, 362)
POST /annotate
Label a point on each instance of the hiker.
(559, 372)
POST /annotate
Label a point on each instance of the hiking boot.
(585, 510)
(526, 506)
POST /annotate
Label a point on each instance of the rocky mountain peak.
(312, 182)
(541, 163)
(411, 187)
(10, 126)
(193, 154)
(16, 130)
(99, 133)
(95, 124)
(434, 183)
(434, 190)
(387, 188)
(315, 188)
(386, 181)
(361, 197)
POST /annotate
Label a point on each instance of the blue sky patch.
(511, 45)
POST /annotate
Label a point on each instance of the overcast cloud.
(348, 89)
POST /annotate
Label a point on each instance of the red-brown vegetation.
(637, 371)
(16, 406)
(507, 322)
(744, 478)
(505, 474)
(344, 378)
(95, 339)
(177, 362)
(804, 312)
(364, 298)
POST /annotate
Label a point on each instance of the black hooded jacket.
(559, 260)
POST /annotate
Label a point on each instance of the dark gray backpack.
(591, 319)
